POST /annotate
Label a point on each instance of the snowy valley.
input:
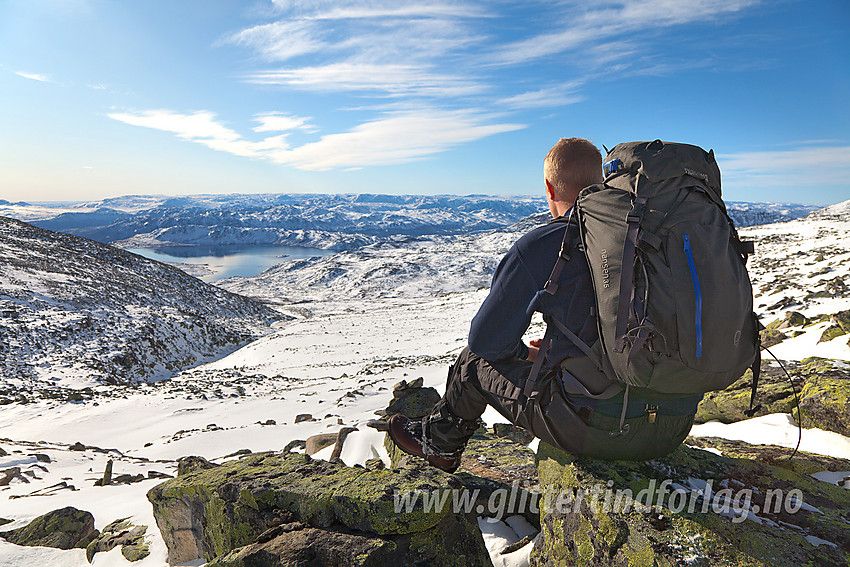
(107, 356)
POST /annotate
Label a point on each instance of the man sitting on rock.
(494, 368)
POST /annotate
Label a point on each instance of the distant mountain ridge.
(94, 310)
(335, 222)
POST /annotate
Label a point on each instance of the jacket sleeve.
(497, 329)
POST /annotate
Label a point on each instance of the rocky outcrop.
(121, 532)
(213, 513)
(823, 387)
(693, 507)
(65, 528)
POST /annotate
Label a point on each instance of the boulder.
(65, 528)
(210, 513)
(823, 387)
(192, 463)
(316, 443)
(413, 402)
(693, 507)
(122, 532)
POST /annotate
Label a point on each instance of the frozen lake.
(230, 261)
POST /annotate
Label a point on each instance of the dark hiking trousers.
(473, 384)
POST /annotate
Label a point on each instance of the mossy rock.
(4, 521)
(212, 512)
(299, 545)
(802, 462)
(774, 394)
(823, 387)
(121, 532)
(825, 396)
(415, 403)
(65, 528)
(772, 336)
(832, 332)
(601, 519)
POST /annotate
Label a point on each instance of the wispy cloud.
(280, 122)
(34, 76)
(559, 95)
(578, 27)
(389, 80)
(396, 137)
(802, 167)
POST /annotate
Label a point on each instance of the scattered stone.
(157, 474)
(2, 452)
(303, 417)
(10, 474)
(414, 403)
(832, 332)
(77, 447)
(128, 478)
(340, 440)
(513, 432)
(40, 457)
(240, 453)
(316, 443)
(124, 533)
(192, 463)
(267, 422)
(65, 528)
(107, 475)
(378, 424)
(295, 443)
(4, 521)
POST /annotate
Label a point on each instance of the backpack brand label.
(696, 174)
(606, 278)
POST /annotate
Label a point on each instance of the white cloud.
(802, 167)
(34, 76)
(583, 28)
(397, 137)
(200, 127)
(393, 80)
(279, 122)
(559, 95)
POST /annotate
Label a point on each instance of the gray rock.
(192, 463)
(124, 533)
(65, 528)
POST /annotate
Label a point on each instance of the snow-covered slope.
(76, 311)
(364, 319)
(335, 222)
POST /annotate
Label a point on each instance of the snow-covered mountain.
(76, 311)
(334, 222)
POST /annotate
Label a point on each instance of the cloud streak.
(397, 137)
(34, 77)
(827, 166)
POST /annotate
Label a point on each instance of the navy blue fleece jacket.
(516, 291)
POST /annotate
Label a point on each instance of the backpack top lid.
(659, 160)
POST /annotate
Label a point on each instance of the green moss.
(584, 545)
(832, 332)
(135, 552)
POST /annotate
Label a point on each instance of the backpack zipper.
(697, 293)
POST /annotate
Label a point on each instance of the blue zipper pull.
(697, 293)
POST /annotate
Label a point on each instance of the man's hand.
(533, 349)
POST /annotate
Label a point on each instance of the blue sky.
(106, 98)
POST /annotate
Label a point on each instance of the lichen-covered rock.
(823, 387)
(210, 513)
(825, 396)
(299, 545)
(802, 462)
(693, 507)
(65, 528)
(415, 402)
(121, 532)
(192, 463)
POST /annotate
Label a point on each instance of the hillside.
(73, 311)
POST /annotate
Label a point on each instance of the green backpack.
(674, 302)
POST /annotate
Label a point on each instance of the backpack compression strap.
(627, 272)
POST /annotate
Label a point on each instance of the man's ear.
(550, 191)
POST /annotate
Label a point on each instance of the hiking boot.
(410, 438)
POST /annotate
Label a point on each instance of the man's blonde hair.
(571, 165)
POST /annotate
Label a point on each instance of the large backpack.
(674, 302)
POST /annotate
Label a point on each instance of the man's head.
(571, 165)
